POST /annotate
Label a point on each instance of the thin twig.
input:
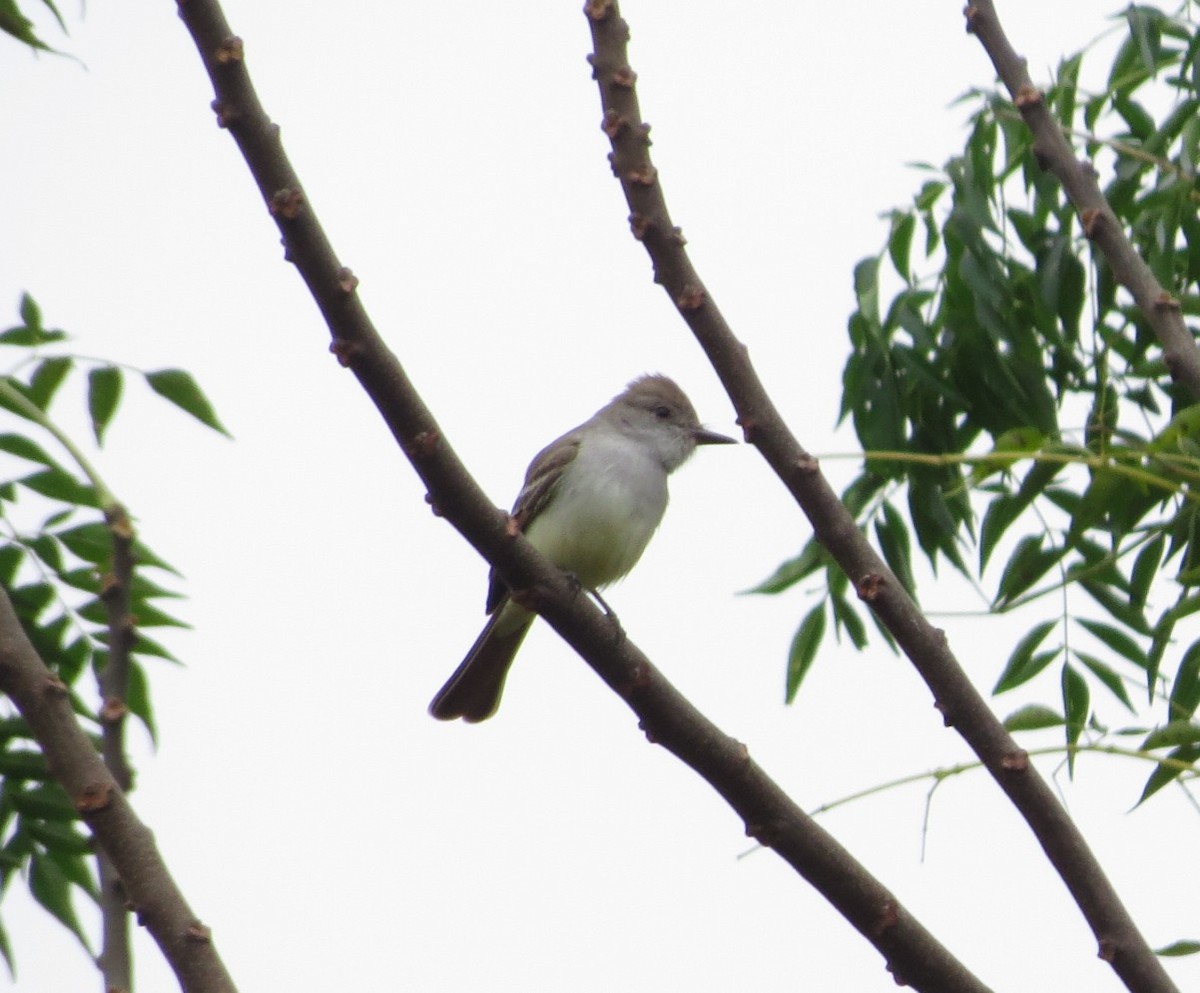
(961, 706)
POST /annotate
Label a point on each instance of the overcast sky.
(317, 819)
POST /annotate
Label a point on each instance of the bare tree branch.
(913, 955)
(1119, 940)
(44, 702)
(115, 959)
(1054, 154)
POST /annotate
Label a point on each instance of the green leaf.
(46, 380)
(900, 243)
(91, 542)
(58, 837)
(11, 557)
(48, 801)
(1117, 640)
(1171, 735)
(145, 615)
(1118, 606)
(1185, 691)
(26, 448)
(104, 396)
(793, 570)
(846, 617)
(1022, 665)
(1177, 948)
(181, 389)
(1164, 774)
(30, 312)
(1076, 706)
(1033, 717)
(804, 649)
(1107, 676)
(52, 889)
(893, 542)
(1027, 564)
(61, 485)
(137, 698)
(23, 764)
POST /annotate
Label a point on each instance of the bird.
(590, 503)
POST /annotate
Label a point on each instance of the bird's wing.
(541, 477)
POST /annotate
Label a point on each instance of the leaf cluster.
(1016, 414)
(56, 573)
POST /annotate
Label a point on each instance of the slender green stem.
(16, 400)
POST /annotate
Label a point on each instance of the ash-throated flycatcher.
(590, 503)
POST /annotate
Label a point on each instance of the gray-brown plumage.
(590, 503)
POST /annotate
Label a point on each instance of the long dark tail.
(473, 692)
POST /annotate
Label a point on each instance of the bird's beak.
(705, 437)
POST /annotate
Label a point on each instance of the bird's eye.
(662, 412)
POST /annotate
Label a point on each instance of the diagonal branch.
(1119, 940)
(912, 953)
(1161, 310)
(44, 702)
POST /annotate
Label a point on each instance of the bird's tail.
(473, 691)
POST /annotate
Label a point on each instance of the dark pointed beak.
(705, 437)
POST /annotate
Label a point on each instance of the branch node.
(95, 797)
(947, 720)
(232, 49)
(1016, 761)
(869, 586)
(613, 124)
(643, 130)
(54, 686)
(624, 77)
(749, 428)
(530, 598)
(286, 203)
(226, 115)
(889, 917)
(347, 281)
(597, 10)
(110, 587)
(199, 933)
(1108, 949)
(806, 465)
(344, 350)
(437, 511)
(1028, 96)
(692, 298)
(971, 13)
(1166, 302)
(643, 175)
(113, 710)
(639, 224)
(764, 834)
(677, 238)
(1092, 219)
(423, 444)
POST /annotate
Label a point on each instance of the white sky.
(323, 826)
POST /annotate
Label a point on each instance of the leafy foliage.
(1015, 409)
(14, 23)
(54, 573)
